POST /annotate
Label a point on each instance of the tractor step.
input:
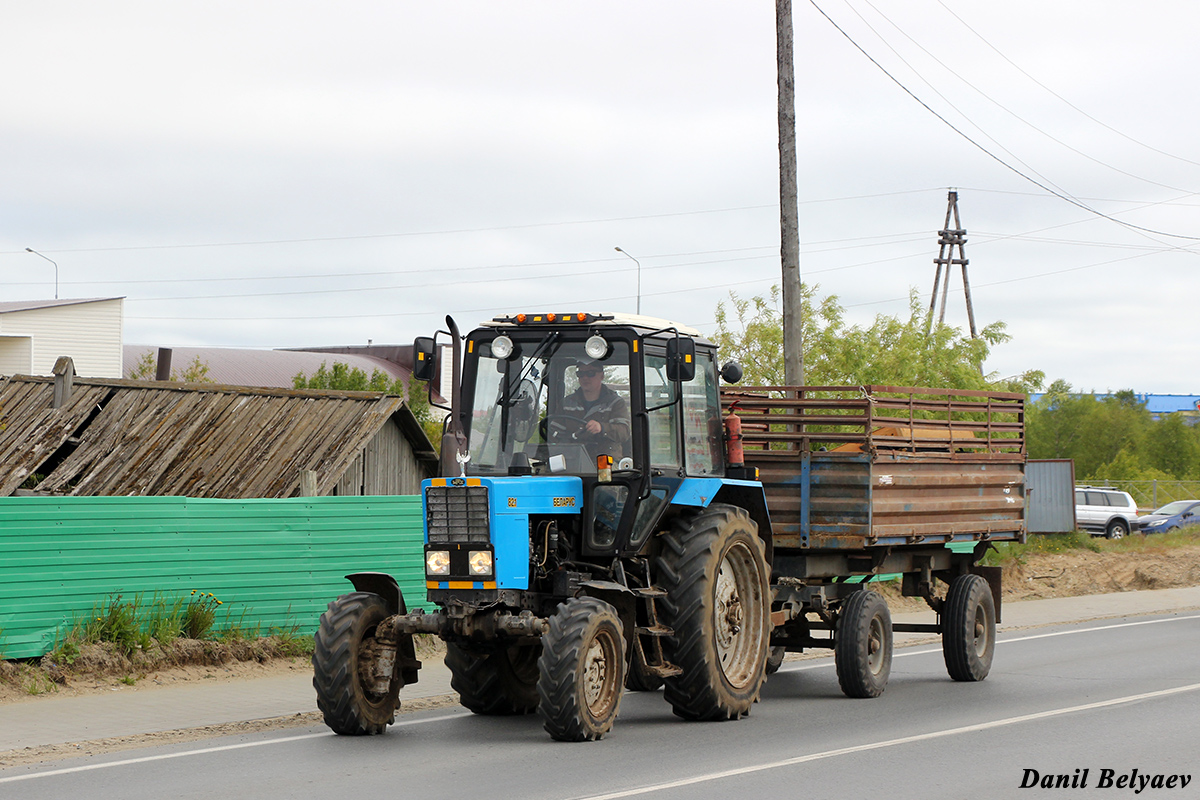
(654, 630)
(649, 591)
(664, 670)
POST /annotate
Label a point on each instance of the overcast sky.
(270, 174)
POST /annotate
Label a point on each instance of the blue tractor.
(599, 526)
(581, 539)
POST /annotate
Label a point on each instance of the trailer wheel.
(581, 671)
(499, 682)
(969, 628)
(863, 646)
(715, 574)
(775, 659)
(343, 663)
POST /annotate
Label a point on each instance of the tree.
(146, 369)
(343, 377)
(892, 351)
(1111, 438)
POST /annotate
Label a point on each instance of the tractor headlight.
(502, 347)
(596, 347)
(437, 562)
(480, 562)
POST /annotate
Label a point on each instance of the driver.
(604, 412)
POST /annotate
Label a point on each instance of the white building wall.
(16, 355)
(89, 332)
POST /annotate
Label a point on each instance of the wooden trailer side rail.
(780, 422)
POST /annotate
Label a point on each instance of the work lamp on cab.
(502, 347)
(596, 347)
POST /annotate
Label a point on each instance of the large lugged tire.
(495, 682)
(342, 662)
(862, 650)
(715, 574)
(582, 671)
(969, 628)
(775, 659)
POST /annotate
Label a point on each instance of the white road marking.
(713, 776)
(827, 662)
(205, 750)
(922, 737)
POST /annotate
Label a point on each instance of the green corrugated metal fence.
(277, 561)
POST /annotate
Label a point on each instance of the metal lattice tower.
(948, 239)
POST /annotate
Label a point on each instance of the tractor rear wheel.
(714, 571)
(497, 682)
(582, 671)
(344, 656)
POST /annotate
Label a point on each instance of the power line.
(456, 231)
(990, 154)
(1001, 106)
(1059, 96)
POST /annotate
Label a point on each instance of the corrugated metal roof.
(121, 437)
(245, 367)
(31, 305)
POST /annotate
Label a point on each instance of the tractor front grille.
(457, 514)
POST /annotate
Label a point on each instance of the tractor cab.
(628, 405)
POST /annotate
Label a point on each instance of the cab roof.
(538, 320)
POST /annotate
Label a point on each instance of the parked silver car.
(1104, 511)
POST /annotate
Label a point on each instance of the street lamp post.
(639, 277)
(52, 261)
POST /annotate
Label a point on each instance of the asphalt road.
(1116, 695)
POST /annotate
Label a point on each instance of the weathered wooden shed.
(66, 435)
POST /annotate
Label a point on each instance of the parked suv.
(1105, 511)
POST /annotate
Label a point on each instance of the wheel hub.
(595, 674)
(737, 630)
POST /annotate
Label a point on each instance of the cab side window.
(703, 434)
(661, 417)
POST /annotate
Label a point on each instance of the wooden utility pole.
(948, 239)
(789, 213)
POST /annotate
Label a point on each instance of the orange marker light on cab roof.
(551, 317)
(520, 317)
(581, 316)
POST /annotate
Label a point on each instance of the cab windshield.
(548, 407)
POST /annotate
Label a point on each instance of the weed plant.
(199, 615)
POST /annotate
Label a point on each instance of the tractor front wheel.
(344, 657)
(582, 671)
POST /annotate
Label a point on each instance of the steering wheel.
(556, 427)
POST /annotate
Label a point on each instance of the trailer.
(614, 512)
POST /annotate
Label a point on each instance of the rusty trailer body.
(858, 470)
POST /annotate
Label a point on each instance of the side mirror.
(731, 372)
(424, 359)
(681, 359)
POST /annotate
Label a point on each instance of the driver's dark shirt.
(611, 411)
